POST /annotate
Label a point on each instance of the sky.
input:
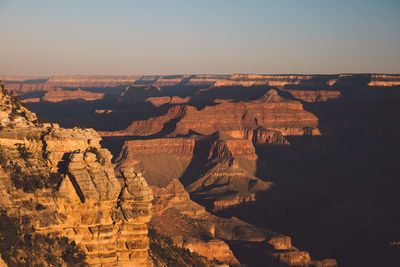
(50, 37)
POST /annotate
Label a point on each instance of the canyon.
(244, 168)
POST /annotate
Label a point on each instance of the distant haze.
(47, 37)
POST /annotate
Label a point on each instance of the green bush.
(30, 182)
(54, 180)
(21, 246)
(39, 122)
(3, 159)
(96, 151)
(40, 207)
(23, 152)
(14, 113)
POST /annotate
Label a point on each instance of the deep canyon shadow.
(336, 195)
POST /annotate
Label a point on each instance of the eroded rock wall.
(63, 183)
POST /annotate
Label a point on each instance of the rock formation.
(159, 101)
(32, 84)
(137, 93)
(176, 216)
(63, 183)
(384, 80)
(209, 167)
(190, 226)
(270, 112)
(162, 100)
(314, 95)
(60, 95)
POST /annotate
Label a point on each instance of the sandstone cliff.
(60, 183)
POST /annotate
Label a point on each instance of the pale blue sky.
(44, 37)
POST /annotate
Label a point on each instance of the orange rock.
(60, 95)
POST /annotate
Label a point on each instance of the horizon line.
(195, 74)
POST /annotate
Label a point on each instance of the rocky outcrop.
(60, 95)
(170, 80)
(137, 93)
(162, 100)
(227, 178)
(286, 116)
(288, 80)
(82, 81)
(179, 100)
(33, 84)
(271, 112)
(384, 80)
(2, 263)
(314, 95)
(187, 224)
(175, 196)
(272, 80)
(159, 101)
(153, 125)
(213, 249)
(63, 183)
(261, 136)
(173, 156)
(219, 170)
(190, 226)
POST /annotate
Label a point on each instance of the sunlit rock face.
(314, 96)
(60, 95)
(31, 84)
(384, 80)
(271, 112)
(63, 183)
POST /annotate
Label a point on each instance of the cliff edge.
(60, 200)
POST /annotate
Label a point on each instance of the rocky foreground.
(59, 193)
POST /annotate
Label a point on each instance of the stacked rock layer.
(64, 183)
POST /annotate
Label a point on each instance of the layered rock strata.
(60, 95)
(190, 226)
(64, 183)
(270, 112)
(314, 95)
(290, 81)
(162, 100)
(218, 170)
(216, 159)
(384, 80)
